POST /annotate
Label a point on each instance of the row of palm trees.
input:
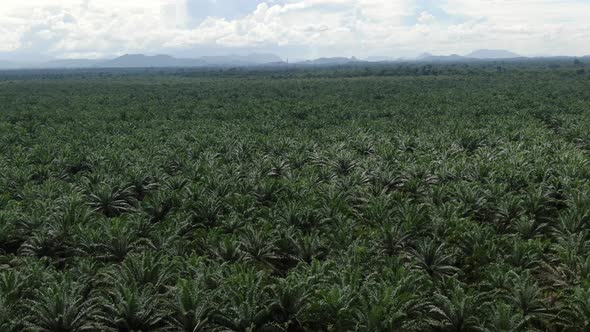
(140, 295)
(359, 252)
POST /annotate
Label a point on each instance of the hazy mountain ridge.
(378, 58)
(259, 58)
(330, 61)
(427, 57)
(482, 54)
(256, 59)
(162, 60)
(140, 60)
(492, 54)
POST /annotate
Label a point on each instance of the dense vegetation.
(346, 199)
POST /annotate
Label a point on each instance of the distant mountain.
(492, 54)
(427, 57)
(157, 61)
(140, 61)
(330, 61)
(380, 59)
(250, 59)
(475, 55)
(424, 56)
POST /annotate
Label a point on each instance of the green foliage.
(412, 197)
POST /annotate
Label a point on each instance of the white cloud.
(94, 28)
(533, 26)
(88, 26)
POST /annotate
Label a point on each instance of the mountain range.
(492, 54)
(427, 57)
(329, 61)
(161, 61)
(141, 60)
(483, 54)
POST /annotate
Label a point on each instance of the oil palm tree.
(114, 240)
(387, 306)
(206, 209)
(6, 316)
(227, 250)
(245, 301)
(158, 206)
(526, 295)
(432, 257)
(333, 308)
(504, 318)
(575, 315)
(145, 269)
(191, 306)
(110, 200)
(133, 308)
(289, 299)
(258, 248)
(10, 237)
(394, 238)
(457, 309)
(62, 306)
(141, 185)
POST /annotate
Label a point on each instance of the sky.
(297, 29)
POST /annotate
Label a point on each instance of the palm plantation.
(343, 199)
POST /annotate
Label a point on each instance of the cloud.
(541, 26)
(88, 26)
(96, 28)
